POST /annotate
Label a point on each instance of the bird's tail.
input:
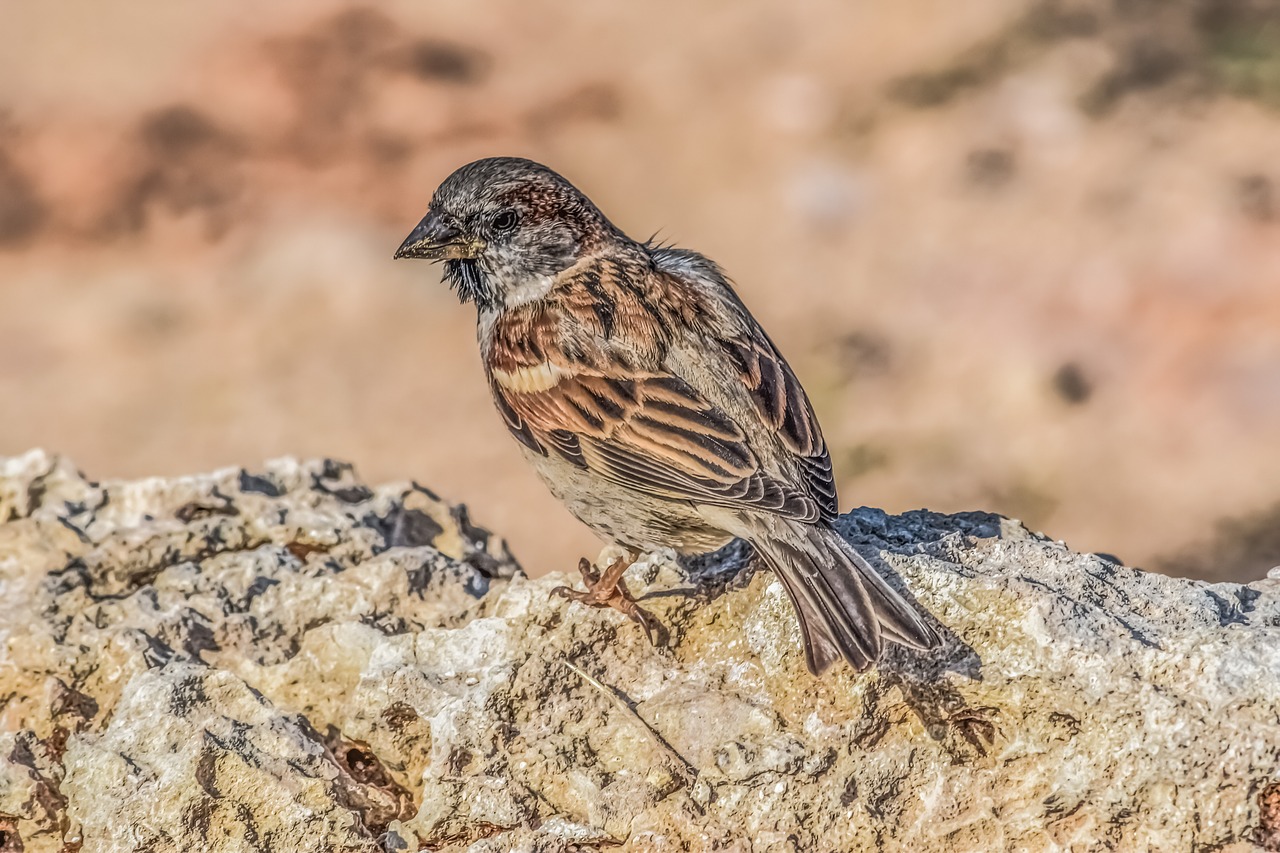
(844, 606)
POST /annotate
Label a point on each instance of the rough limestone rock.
(287, 660)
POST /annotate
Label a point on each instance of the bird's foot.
(608, 589)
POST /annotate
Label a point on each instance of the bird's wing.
(782, 405)
(652, 433)
(636, 425)
(776, 393)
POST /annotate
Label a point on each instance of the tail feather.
(837, 618)
(845, 608)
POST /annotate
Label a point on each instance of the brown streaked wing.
(781, 403)
(652, 433)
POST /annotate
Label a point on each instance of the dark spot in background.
(177, 131)
(329, 69)
(936, 88)
(863, 353)
(592, 102)
(1071, 384)
(22, 213)
(1054, 21)
(990, 167)
(991, 58)
(446, 62)
(386, 149)
(186, 164)
(1242, 46)
(1256, 197)
(1145, 63)
(333, 70)
(1207, 47)
(155, 319)
(1241, 549)
(861, 459)
(1216, 17)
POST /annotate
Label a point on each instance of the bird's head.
(504, 227)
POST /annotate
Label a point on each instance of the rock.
(131, 612)
(287, 659)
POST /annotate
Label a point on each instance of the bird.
(651, 402)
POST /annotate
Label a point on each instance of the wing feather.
(586, 377)
(781, 403)
(655, 434)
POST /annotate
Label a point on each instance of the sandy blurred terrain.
(1025, 256)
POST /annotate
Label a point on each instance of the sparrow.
(651, 402)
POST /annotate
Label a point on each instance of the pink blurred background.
(1024, 255)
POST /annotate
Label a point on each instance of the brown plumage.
(650, 400)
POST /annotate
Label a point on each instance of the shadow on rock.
(870, 532)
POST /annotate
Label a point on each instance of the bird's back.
(794, 451)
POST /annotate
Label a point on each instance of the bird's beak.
(437, 238)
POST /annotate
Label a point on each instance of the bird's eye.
(504, 221)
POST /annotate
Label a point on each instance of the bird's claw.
(607, 589)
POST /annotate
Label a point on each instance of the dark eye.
(504, 221)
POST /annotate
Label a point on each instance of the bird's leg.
(608, 589)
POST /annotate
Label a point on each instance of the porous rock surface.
(285, 659)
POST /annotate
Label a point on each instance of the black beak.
(436, 238)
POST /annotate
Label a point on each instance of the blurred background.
(1024, 255)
